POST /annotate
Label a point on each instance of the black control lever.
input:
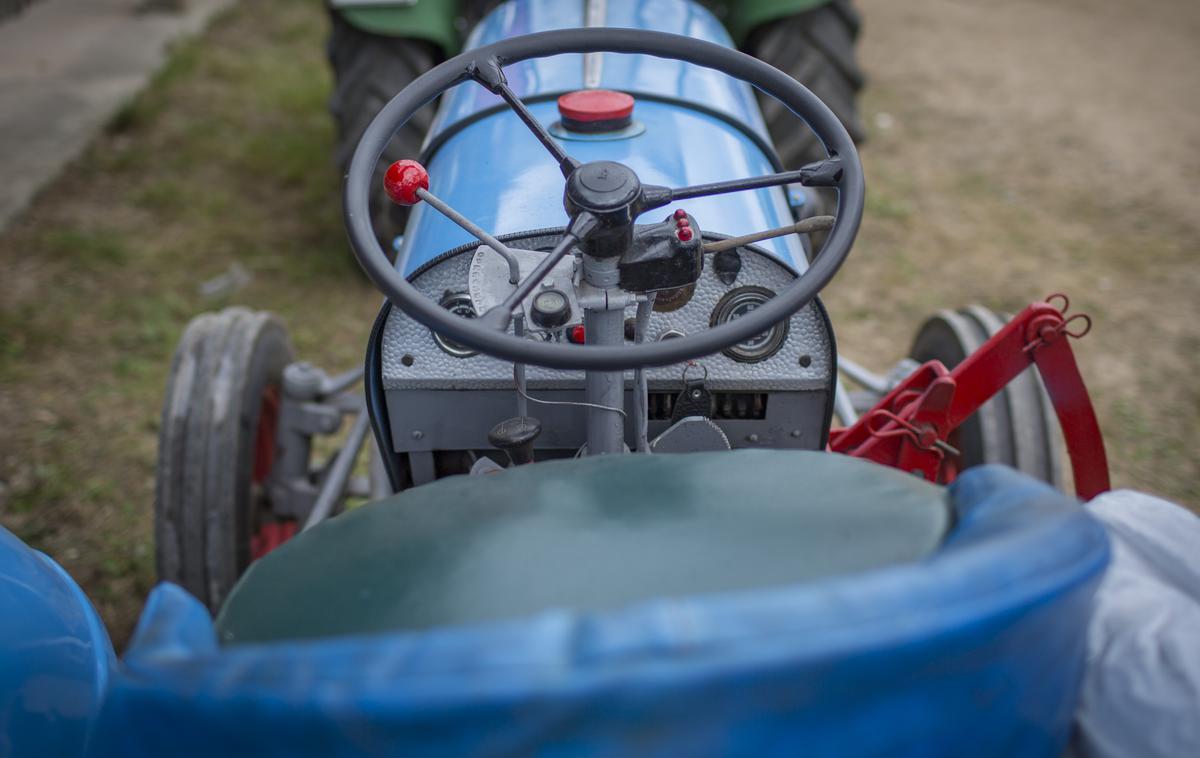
(515, 437)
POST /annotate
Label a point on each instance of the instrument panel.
(771, 390)
(797, 356)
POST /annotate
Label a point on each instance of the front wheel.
(216, 451)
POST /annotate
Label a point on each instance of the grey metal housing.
(435, 401)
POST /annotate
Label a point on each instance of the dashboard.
(772, 390)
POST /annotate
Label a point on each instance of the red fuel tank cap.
(595, 110)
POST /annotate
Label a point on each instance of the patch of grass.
(225, 157)
(886, 206)
(86, 249)
(144, 109)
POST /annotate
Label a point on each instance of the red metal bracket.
(910, 426)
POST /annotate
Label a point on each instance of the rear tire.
(1014, 428)
(222, 398)
(369, 70)
(816, 48)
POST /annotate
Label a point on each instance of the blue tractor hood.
(693, 126)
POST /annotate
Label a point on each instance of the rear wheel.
(369, 70)
(1014, 428)
(216, 451)
(816, 48)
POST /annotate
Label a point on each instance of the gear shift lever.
(515, 437)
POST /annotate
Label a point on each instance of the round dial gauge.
(550, 309)
(458, 303)
(739, 302)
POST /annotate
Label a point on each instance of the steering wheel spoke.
(499, 316)
(822, 173)
(490, 74)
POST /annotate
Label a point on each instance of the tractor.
(376, 48)
(601, 484)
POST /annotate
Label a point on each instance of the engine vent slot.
(740, 406)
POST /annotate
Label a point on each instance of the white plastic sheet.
(1141, 694)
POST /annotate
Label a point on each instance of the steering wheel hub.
(602, 186)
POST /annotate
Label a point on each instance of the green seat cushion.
(587, 535)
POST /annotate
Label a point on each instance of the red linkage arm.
(909, 427)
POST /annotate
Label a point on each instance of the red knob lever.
(403, 179)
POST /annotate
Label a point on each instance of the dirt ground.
(1023, 148)
(1016, 149)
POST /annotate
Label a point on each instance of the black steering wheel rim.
(425, 88)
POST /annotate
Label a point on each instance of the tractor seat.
(589, 535)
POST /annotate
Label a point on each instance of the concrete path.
(66, 66)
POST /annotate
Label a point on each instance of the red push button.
(595, 110)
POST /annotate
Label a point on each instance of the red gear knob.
(403, 179)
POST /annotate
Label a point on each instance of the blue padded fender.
(976, 650)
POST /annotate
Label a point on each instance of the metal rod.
(605, 389)
(842, 405)
(804, 226)
(565, 162)
(594, 15)
(519, 369)
(641, 390)
(872, 381)
(339, 472)
(331, 385)
(514, 268)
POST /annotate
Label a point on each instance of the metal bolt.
(805, 360)
(406, 359)
(417, 434)
(752, 438)
(301, 381)
(696, 394)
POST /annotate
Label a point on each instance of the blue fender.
(55, 656)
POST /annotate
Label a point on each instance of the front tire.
(216, 448)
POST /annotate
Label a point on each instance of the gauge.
(737, 303)
(550, 309)
(458, 303)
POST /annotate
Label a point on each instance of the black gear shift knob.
(515, 437)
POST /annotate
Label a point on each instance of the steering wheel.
(593, 215)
